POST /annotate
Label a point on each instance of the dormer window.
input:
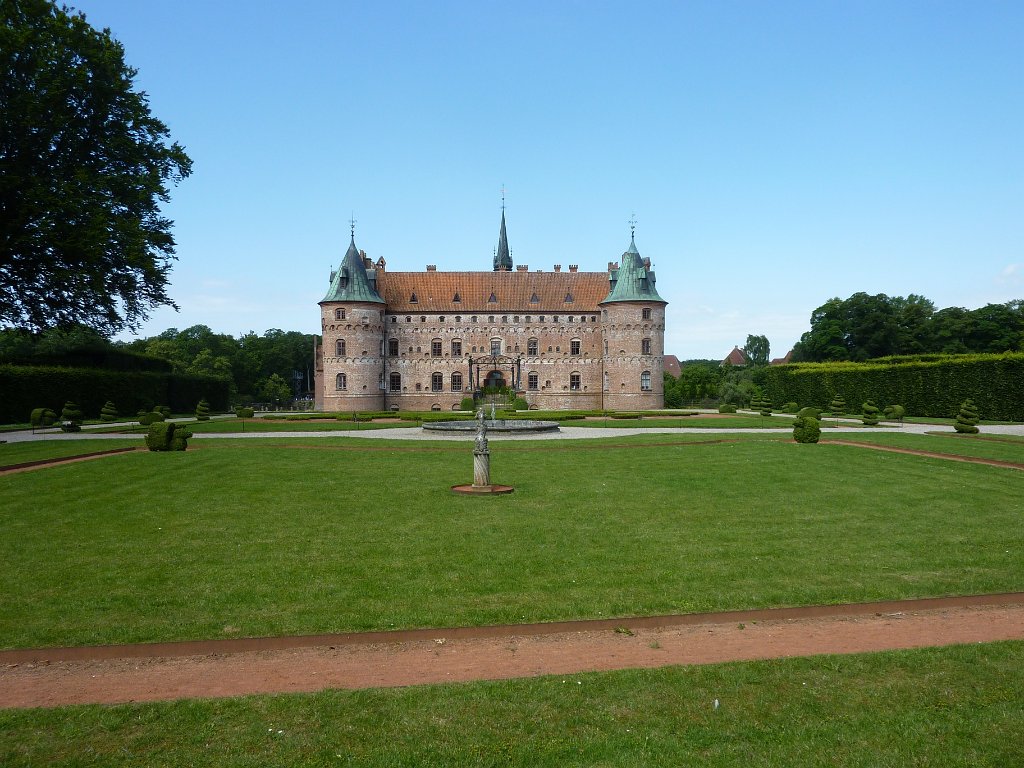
(413, 299)
(492, 299)
(534, 299)
(568, 298)
(456, 298)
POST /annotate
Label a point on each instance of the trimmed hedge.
(806, 429)
(28, 387)
(167, 436)
(929, 385)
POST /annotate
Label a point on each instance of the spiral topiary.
(870, 413)
(806, 429)
(71, 417)
(967, 419)
(838, 406)
(108, 412)
(203, 411)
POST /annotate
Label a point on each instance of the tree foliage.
(757, 350)
(865, 327)
(84, 166)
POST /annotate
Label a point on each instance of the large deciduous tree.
(84, 166)
(757, 349)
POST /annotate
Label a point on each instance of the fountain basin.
(506, 426)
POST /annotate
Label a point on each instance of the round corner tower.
(633, 321)
(352, 324)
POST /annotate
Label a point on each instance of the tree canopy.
(757, 349)
(864, 327)
(84, 166)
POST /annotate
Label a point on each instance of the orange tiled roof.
(670, 364)
(512, 291)
(736, 357)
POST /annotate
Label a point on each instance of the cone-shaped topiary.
(71, 417)
(968, 418)
(806, 429)
(838, 406)
(108, 412)
(203, 411)
(869, 413)
(766, 406)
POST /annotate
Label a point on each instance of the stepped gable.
(513, 291)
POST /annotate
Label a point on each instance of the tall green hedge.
(27, 387)
(925, 386)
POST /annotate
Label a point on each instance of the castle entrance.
(495, 380)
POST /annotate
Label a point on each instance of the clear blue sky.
(776, 154)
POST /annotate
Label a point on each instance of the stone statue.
(481, 432)
(481, 455)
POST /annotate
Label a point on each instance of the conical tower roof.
(502, 259)
(351, 282)
(633, 280)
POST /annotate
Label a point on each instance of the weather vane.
(352, 224)
(632, 225)
(503, 197)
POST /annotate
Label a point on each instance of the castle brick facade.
(561, 339)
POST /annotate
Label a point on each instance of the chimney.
(558, 267)
(431, 267)
(522, 268)
(574, 267)
(612, 266)
(647, 262)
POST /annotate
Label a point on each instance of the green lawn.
(299, 536)
(730, 421)
(1001, 447)
(960, 706)
(17, 453)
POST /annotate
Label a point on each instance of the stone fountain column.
(481, 454)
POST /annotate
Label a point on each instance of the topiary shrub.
(764, 406)
(727, 408)
(108, 412)
(244, 413)
(806, 429)
(467, 404)
(167, 436)
(967, 419)
(870, 413)
(71, 417)
(790, 408)
(895, 413)
(179, 439)
(519, 404)
(814, 413)
(837, 407)
(164, 410)
(203, 411)
(42, 417)
(150, 417)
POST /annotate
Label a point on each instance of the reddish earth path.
(112, 674)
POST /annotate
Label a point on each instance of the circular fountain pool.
(500, 426)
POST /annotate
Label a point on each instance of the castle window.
(574, 382)
(339, 314)
(380, 382)
(408, 319)
(646, 313)
(541, 319)
(531, 347)
(395, 382)
(504, 318)
(606, 381)
(436, 382)
(515, 319)
(568, 298)
(529, 319)
(474, 348)
(495, 347)
(571, 318)
(341, 381)
(458, 318)
(392, 347)
(534, 299)
(532, 381)
(554, 318)
(394, 319)
(339, 348)
(435, 348)
(472, 319)
(645, 347)
(456, 382)
(419, 387)
(440, 319)
(413, 299)
(423, 318)
(456, 348)
(645, 381)
(606, 347)
(574, 347)
(456, 299)
(490, 319)
(492, 299)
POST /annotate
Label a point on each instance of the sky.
(774, 154)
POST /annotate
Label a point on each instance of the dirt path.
(929, 454)
(494, 653)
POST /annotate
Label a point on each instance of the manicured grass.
(289, 537)
(325, 425)
(1001, 447)
(956, 706)
(17, 453)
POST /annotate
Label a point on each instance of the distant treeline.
(865, 327)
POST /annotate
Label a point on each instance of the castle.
(426, 340)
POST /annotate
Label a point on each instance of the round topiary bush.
(71, 417)
(467, 404)
(244, 413)
(727, 408)
(814, 413)
(203, 411)
(108, 412)
(870, 413)
(967, 419)
(806, 429)
(790, 408)
(895, 412)
(42, 417)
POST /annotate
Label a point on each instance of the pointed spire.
(502, 258)
(351, 282)
(633, 280)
